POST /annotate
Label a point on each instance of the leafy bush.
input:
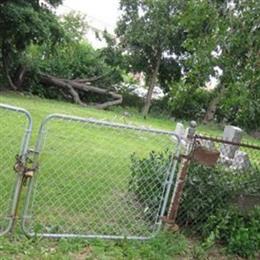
(160, 107)
(147, 180)
(208, 189)
(239, 232)
(240, 106)
(131, 99)
(187, 102)
(207, 200)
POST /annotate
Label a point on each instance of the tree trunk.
(5, 67)
(20, 75)
(151, 85)
(212, 108)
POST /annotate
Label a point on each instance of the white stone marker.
(232, 134)
(180, 130)
(241, 161)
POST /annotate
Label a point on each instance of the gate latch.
(22, 168)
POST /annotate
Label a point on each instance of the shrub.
(207, 200)
(239, 232)
(131, 99)
(240, 106)
(161, 107)
(187, 102)
(208, 189)
(147, 180)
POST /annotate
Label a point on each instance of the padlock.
(29, 174)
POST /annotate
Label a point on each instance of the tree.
(51, 53)
(240, 62)
(232, 33)
(148, 33)
(201, 21)
(24, 22)
(75, 26)
(74, 71)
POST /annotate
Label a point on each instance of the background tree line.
(176, 44)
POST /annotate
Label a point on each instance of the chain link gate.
(92, 180)
(13, 141)
(86, 185)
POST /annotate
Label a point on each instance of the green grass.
(165, 246)
(82, 184)
(39, 108)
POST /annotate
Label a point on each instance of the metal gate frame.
(15, 197)
(38, 148)
(24, 155)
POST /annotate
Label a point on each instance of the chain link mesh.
(12, 129)
(233, 182)
(99, 179)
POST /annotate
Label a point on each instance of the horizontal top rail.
(221, 140)
(107, 123)
(21, 110)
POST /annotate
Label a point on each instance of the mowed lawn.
(84, 174)
(83, 179)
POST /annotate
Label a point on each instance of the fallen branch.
(73, 85)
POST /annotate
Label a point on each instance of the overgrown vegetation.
(165, 246)
(209, 189)
(145, 171)
(240, 232)
(207, 201)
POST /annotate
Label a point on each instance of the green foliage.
(155, 17)
(23, 23)
(150, 53)
(164, 246)
(240, 232)
(215, 188)
(72, 61)
(186, 102)
(75, 26)
(206, 201)
(239, 60)
(145, 171)
(233, 34)
(161, 107)
(131, 99)
(200, 21)
(241, 106)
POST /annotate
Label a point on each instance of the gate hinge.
(177, 158)
(182, 156)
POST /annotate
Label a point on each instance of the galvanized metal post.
(19, 178)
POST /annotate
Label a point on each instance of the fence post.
(181, 175)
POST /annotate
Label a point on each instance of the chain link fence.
(232, 182)
(14, 136)
(99, 179)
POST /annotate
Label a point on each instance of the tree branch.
(72, 85)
